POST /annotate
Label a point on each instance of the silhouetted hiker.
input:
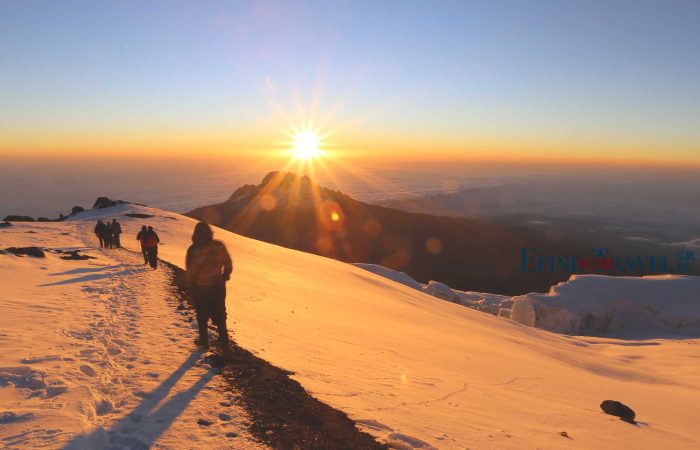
(108, 236)
(116, 231)
(100, 232)
(141, 237)
(208, 267)
(150, 242)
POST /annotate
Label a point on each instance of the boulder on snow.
(5, 224)
(77, 209)
(29, 251)
(13, 218)
(74, 255)
(443, 291)
(615, 408)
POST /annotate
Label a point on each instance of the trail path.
(116, 354)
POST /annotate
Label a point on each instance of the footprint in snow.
(88, 370)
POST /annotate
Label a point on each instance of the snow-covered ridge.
(414, 370)
(592, 305)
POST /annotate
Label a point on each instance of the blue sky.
(623, 72)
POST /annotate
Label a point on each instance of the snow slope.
(414, 370)
(94, 354)
(419, 371)
(593, 305)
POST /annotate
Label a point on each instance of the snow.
(658, 305)
(414, 370)
(593, 305)
(394, 275)
(96, 346)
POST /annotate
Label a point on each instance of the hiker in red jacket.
(150, 242)
(141, 237)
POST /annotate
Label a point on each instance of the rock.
(231, 434)
(29, 251)
(215, 360)
(565, 434)
(104, 202)
(74, 255)
(43, 219)
(5, 224)
(205, 422)
(77, 209)
(225, 417)
(139, 215)
(615, 408)
(18, 219)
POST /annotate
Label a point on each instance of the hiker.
(116, 231)
(141, 237)
(150, 242)
(100, 232)
(208, 267)
(107, 235)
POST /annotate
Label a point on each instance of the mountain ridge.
(293, 211)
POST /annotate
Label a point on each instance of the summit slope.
(418, 371)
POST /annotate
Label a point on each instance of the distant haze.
(663, 199)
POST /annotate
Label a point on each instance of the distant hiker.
(107, 235)
(100, 233)
(141, 237)
(208, 267)
(116, 231)
(150, 242)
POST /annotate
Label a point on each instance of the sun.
(306, 145)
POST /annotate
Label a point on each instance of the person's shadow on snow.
(141, 427)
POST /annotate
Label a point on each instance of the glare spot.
(335, 216)
(268, 202)
(433, 245)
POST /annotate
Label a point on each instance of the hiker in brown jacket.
(208, 267)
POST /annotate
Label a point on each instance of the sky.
(502, 80)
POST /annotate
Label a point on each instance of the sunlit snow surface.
(410, 368)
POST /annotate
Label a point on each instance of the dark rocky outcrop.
(28, 251)
(139, 215)
(615, 408)
(105, 202)
(5, 224)
(77, 210)
(14, 218)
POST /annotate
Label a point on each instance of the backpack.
(150, 240)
